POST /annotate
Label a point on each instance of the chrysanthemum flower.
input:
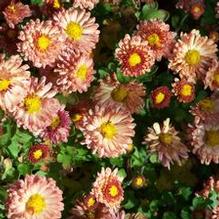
(79, 28)
(108, 131)
(14, 78)
(161, 97)
(135, 56)
(58, 130)
(184, 90)
(14, 13)
(41, 42)
(164, 141)
(214, 35)
(38, 108)
(158, 35)
(89, 4)
(139, 182)
(130, 95)
(75, 72)
(107, 188)
(38, 152)
(192, 55)
(34, 197)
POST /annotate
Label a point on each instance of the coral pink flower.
(161, 97)
(38, 108)
(41, 42)
(108, 131)
(184, 90)
(135, 56)
(192, 56)
(89, 4)
(14, 79)
(164, 141)
(34, 197)
(79, 28)
(158, 35)
(38, 152)
(107, 188)
(75, 72)
(130, 95)
(15, 13)
(58, 130)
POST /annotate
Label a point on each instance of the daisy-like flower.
(217, 10)
(79, 28)
(108, 131)
(41, 42)
(38, 108)
(212, 77)
(158, 35)
(205, 142)
(139, 182)
(135, 56)
(75, 72)
(164, 141)
(14, 13)
(38, 152)
(184, 90)
(107, 189)
(34, 197)
(58, 130)
(161, 97)
(89, 4)
(111, 92)
(192, 55)
(14, 78)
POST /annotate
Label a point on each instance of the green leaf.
(185, 192)
(169, 215)
(122, 173)
(23, 169)
(185, 213)
(36, 2)
(199, 202)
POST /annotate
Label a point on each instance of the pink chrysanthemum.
(217, 10)
(41, 42)
(111, 92)
(164, 141)
(192, 56)
(38, 108)
(34, 197)
(79, 28)
(108, 131)
(212, 77)
(205, 141)
(14, 78)
(107, 189)
(14, 13)
(75, 72)
(135, 56)
(58, 130)
(161, 97)
(89, 4)
(184, 90)
(38, 152)
(158, 35)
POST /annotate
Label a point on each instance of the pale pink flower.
(89, 4)
(41, 42)
(34, 197)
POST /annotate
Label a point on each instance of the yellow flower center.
(43, 42)
(76, 117)
(56, 4)
(193, 57)
(139, 181)
(37, 154)
(119, 94)
(186, 90)
(113, 191)
(196, 9)
(212, 138)
(166, 138)
(216, 78)
(134, 59)
(108, 130)
(159, 98)
(74, 31)
(154, 40)
(207, 105)
(32, 104)
(4, 84)
(35, 204)
(91, 201)
(82, 73)
(55, 122)
(12, 8)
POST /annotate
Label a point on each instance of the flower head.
(38, 152)
(139, 182)
(34, 197)
(89, 4)
(164, 141)
(41, 42)
(135, 56)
